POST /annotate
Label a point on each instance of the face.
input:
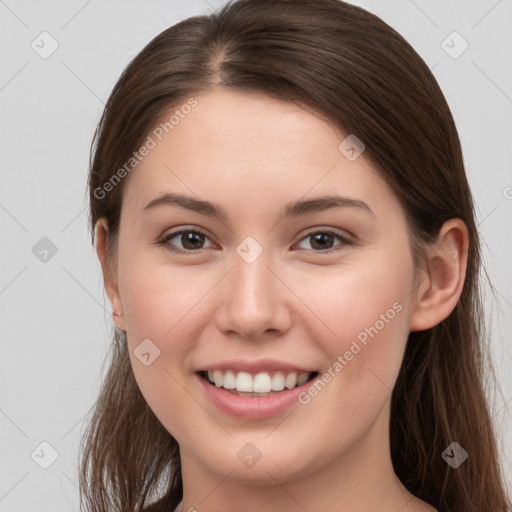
(268, 291)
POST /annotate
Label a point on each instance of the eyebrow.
(294, 209)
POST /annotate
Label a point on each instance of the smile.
(229, 391)
(259, 384)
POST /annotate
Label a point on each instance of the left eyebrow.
(295, 209)
(190, 203)
(322, 203)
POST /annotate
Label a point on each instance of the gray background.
(55, 318)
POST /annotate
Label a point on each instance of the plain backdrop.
(55, 318)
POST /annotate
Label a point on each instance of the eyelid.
(346, 239)
(164, 240)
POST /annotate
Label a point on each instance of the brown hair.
(318, 53)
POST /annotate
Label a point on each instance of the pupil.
(194, 238)
(191, 238)
(320, 237)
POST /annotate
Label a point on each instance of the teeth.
(302, 378)
(218, 378)
(229, 380)
(244, 382)
(291, 380)
(260, 383)
(278, 382)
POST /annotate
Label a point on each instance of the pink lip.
(260, 365)
(252, 407)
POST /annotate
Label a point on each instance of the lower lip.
(252, 407)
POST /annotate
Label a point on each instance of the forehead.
(232, 147)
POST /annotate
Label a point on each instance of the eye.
(191, 240)
(322, 239)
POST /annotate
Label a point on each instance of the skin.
(252, 154)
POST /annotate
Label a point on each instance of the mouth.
(261, 384)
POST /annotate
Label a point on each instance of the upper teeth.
(259, 383)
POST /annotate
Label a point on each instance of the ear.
(109, 280)
(440, 288)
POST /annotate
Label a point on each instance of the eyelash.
(165, 241)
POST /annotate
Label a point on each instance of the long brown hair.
(360, 73)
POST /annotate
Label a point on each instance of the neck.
(360, 478)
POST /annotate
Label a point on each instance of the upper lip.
(255, 366)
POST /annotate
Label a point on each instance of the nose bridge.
(250, 284)
(250, 303)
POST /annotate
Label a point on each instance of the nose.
(253, 299)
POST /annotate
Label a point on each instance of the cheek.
(158, 299)
(157, 307)
(356, 311)
(365, 307)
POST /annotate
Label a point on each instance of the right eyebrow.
(294, 209)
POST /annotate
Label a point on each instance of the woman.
(288, 243)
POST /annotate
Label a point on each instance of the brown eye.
(191, 240)
(323, 240)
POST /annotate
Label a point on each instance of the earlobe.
(109, 280)
(440, 289)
